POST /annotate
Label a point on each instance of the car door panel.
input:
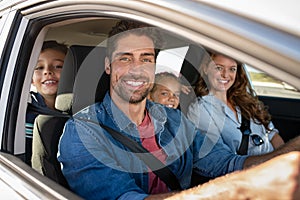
(285, 115)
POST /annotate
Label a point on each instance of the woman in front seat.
(224, 96)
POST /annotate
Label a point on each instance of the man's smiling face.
(132, 68)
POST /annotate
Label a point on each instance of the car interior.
(266, 44)
(84, 82)
(83, 76)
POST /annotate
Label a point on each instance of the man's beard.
(133, 97)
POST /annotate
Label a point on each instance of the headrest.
(79, 81)
(191, 63)
(190, 72)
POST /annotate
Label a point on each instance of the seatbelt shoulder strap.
(159, 168)
(245, 129)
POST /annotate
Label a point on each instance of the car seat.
(195, 57)
(82, 83)
(190, 73)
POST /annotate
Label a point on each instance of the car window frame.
(55, 11)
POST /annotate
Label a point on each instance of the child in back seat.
(45, 79)
(166, 90)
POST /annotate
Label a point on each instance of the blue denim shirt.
(221, 119)
(98, 167)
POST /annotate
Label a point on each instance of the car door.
(26, 24)
(282, 100)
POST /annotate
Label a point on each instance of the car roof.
(241, 27)
(5, 4)
(281, 14)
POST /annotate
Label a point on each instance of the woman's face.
(221, 73)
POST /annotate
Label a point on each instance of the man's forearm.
(225, 187)
(232, 187)
(264, 182)
(160, 196)
(292, 145)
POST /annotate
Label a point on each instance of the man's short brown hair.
(126, 27)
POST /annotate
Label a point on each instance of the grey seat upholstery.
(82, 82)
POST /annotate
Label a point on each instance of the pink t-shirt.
(146, 130)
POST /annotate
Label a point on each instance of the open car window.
(265, 85)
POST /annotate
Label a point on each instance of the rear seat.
(82, 83)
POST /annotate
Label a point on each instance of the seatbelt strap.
(245, 129)
(159, 168)
(45, 111)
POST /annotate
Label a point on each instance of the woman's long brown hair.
(239, 94)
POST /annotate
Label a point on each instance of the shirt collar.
(156, 112)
